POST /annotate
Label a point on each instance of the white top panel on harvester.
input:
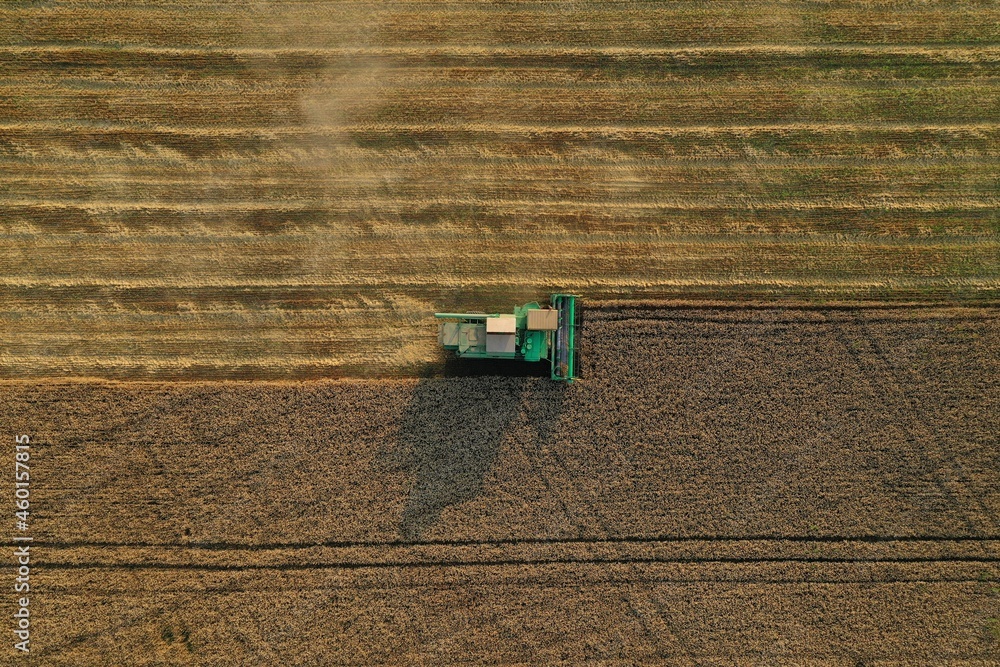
(543, 320)
(504, 324)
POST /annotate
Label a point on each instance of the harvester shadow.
(457, 367)
(450, 436)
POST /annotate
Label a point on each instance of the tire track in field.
(654, 626)
(883, 375)
(836, 554)
(631, 571)
(942, 459)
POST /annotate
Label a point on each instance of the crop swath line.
(944, 50)
(112, 128)
(735, 202)
(637, 539)
(351, 565)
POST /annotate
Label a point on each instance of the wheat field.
(783, 219)
(726, 486)
(285, 190)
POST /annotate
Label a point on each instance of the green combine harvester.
(532, 333)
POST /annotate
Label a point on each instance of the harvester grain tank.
(532, 333)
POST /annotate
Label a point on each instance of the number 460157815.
(21, 475)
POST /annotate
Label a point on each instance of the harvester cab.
(532, 333)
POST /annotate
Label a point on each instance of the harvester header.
(532, 333)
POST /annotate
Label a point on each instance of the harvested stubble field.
(727, 486)
(284, 189)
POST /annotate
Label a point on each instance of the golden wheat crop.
(724, 483)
